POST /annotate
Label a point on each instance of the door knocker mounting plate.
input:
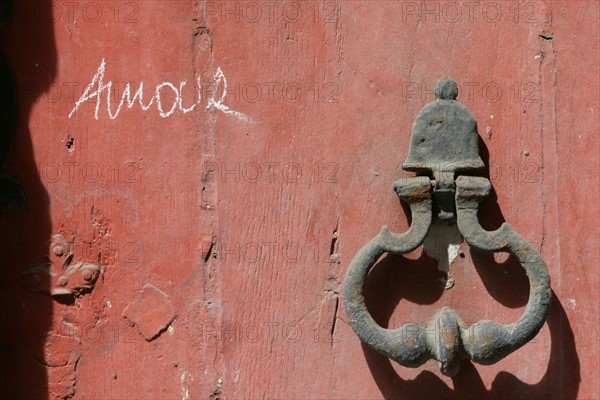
(444, 145)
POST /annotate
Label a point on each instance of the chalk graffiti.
(99, 90)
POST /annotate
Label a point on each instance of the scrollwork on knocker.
(444, 146)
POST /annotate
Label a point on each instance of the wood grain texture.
(248, 226)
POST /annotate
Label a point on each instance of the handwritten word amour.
(98, 90)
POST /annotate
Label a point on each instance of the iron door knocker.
(444, 144)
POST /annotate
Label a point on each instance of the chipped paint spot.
(185, 392)
(442, 244)
(452, 252)
(571, 303)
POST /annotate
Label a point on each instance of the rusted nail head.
(58, 250)
(87, 275)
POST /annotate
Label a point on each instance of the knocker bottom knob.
(447, 338)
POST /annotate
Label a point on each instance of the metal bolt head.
(63, 280)
(87, 275)
(58, 250)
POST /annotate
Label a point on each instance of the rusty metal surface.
(444, 142)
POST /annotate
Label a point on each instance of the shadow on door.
(26, 316)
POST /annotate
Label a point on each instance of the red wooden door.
(221, 163)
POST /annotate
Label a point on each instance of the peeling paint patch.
(185, 391)
(442, 244)
(452, 252)
(152, 313)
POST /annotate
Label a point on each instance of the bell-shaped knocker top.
(444, 136)
(444, 143)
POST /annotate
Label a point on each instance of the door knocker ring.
(444, 145)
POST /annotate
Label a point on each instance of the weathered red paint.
(247, 227)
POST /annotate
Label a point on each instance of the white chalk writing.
(98, 90)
